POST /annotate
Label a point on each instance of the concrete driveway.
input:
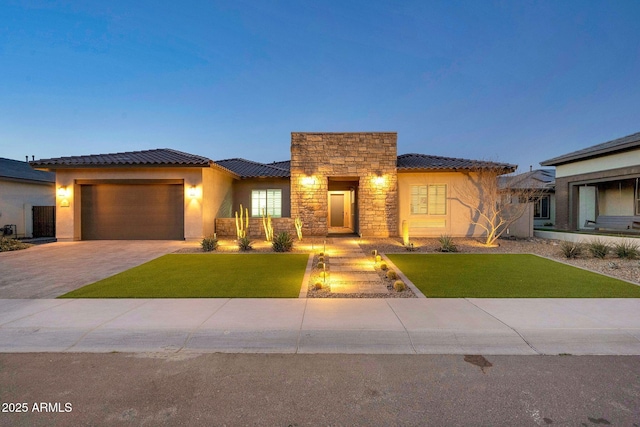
(51, 270)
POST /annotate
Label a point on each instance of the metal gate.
(44, 221)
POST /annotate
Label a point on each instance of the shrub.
(398, 285)
(383, 266)
(391, 275)
(209, 244)
(571, 249)
(244, 244)
(626, 249)
(447, 244)
(12, 245)
(321, 265)
(598, 248)
(282, 242)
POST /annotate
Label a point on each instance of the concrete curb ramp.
(371, 326)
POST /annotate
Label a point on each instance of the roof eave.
(571, 157)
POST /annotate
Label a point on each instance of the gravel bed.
(611, 265)
(259, 246)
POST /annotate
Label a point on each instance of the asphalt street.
(300, 390)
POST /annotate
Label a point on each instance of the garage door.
(132, 212)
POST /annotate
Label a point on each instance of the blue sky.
(514, 81)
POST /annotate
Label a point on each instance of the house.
(334, 182)
(27, 200)
(598, 182)
(541, 212)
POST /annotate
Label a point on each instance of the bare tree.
(496, 200)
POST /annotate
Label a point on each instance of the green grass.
(204, 276)
(506, 276)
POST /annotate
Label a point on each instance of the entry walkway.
(351, 271)
(382, 325)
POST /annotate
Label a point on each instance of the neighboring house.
(334, 182)
(598, 183)
(541, 212)
(27, 200)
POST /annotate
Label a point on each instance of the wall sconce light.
(308, 180)
(379, 180)
(62, 191)
(192, 191)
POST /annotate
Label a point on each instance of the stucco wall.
(17, 199)
(367, 158)
(242, 193)
(603, 163)
(456, 221)
(217, 198)
(68, 225)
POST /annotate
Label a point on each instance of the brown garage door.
(132, 212)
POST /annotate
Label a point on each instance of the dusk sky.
(512, 81)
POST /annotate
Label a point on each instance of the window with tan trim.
(266, 200)
(429, 199)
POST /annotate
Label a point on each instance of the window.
(429, 199)
(269, 201)
(541, 208)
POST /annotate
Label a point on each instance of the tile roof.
(621, 144)
(413, 161)
(157, 157)
(539, 178)
(284, 164)
(250, 169)
(16, 169)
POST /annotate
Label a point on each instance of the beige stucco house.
(27, 198)
(597, 187)
(334, 182)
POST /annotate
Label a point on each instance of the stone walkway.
(351, 271)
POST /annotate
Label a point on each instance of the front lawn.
(506, 276)
(205, 276)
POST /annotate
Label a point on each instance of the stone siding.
(226, 227)
(368, 158)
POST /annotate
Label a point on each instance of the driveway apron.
(51, 270)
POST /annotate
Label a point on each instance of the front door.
(336, 210)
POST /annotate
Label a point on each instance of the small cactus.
(318, 285)
(298, 224)
(391, 275)
(321, 258)
(383, 266)
(398, 285)
(321, 265)
(378, 258)
(268, 227)
(242, 223)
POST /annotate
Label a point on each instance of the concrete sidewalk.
(373, 326)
